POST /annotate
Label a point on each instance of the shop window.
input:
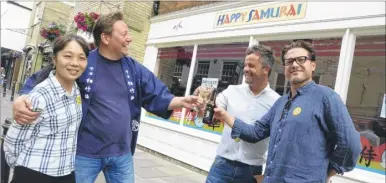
(327, 58)
(282, 85)
(203, 69)
(220, 64)
(173, 70)
(366, 101)
(178, 71)
(228, 72)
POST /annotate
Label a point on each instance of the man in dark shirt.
(114, 88)
(312, 136)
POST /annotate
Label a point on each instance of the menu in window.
(383, 111)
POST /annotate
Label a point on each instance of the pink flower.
(93, 15)
(79, 18)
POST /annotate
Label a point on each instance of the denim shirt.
(316, 134)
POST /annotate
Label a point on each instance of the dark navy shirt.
(313, 137)
(106, 130)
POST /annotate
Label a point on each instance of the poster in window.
(193, 120)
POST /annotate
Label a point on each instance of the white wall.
(14, 17)
(341, 15)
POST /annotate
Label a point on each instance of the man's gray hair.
(267, 57)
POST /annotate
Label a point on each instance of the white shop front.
(209, 42)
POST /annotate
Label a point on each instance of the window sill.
(181, 129)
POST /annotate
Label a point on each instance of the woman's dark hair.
(58, 45)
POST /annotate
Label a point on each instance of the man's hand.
(188, 102)
(22, 111)
(222, 115)
(330, 174)
(259, 178)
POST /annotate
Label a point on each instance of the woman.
(44, 151)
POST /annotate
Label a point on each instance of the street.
(148, 168)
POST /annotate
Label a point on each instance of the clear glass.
(366, 101)
(218, 66)
(172, 68)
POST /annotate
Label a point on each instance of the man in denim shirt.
(312, 136)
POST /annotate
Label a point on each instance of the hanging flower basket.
(85, 21)
(52, 31)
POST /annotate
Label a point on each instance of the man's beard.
(295, 80)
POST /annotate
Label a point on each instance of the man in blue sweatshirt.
(114, 88)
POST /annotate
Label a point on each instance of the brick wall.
(49, 12)
(52, 12)
(136, 15)
(171, 6)
(166, 70)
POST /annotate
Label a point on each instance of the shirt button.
(270, 162)
(279, 130)
(274, 146)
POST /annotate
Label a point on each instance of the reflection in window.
(173, 70)
(203, 69)
(327, 58)
(228, 72)
(280, 84)
(219, 62)
(178, 71)
(365, 98)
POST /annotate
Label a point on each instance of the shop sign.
(269, 13)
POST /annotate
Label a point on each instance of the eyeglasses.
(287, 106)
(299, 60)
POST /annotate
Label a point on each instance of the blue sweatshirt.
(112, 96)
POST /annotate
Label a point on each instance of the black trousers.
(26, 175)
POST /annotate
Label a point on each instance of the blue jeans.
(227, 171)
(115, 169)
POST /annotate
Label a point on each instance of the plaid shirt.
(47, 145)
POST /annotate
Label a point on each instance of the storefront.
(185, 48)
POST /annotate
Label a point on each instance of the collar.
(262, 91)
(303, 89)
(57, 87)
(106, 59)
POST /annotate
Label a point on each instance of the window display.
(366, 99)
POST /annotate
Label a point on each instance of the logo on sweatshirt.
(134, 125)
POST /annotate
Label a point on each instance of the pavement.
(148, 168)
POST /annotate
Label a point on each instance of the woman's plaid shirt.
(48, 145)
